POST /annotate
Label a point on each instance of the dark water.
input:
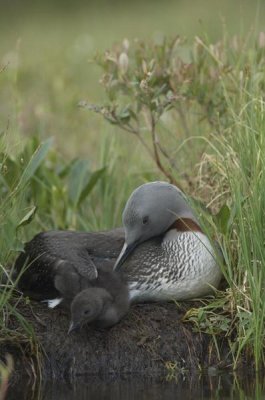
(225, 386)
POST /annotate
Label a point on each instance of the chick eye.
(87, 312)
(145, 220)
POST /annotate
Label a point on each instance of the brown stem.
(156, 147)
(136, 132)
(159, 164)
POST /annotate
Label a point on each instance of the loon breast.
(182, 266)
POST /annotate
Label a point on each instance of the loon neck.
(185, 225)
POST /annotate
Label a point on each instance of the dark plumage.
(78, 268)
(163, 253)
(77, 256)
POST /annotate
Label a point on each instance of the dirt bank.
(150, 341)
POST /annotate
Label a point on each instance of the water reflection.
(225, 386)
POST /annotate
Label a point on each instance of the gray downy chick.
(102, 301)
(96, 305)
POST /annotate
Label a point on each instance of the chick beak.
(72, 327)
(125, 252)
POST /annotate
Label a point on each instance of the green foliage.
(39, 190)
(39, 184)
(154, 89)
(198, 114)
(223, 219)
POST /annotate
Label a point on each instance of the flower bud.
(123, 62)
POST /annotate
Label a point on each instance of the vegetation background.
(209, 118)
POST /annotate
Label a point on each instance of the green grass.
(246, 179)
(236, 165)
(212, 138)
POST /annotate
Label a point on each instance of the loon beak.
(125, 252)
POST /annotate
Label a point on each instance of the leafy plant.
(37, 188)
(158, 91)
(166, 94)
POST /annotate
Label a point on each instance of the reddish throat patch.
(185, 225)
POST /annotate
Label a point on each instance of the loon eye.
(145, 220)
